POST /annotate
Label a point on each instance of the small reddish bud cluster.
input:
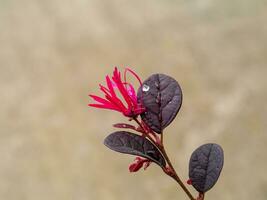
(139, 163)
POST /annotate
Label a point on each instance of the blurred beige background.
(53, 53)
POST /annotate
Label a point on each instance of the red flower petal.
(100, 100)
(117, 79)
(132, 94)
(104, 89)
(113, 99)
(117, 102)
(110, 86)
(104, 103)
(103, 106)
(133, 73)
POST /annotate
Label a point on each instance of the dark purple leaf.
(205, 166)
(129, 143)
(161, 96)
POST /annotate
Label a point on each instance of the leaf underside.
(161, 96)
(130, 143)
(205, 166)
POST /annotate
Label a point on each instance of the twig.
(170, 171)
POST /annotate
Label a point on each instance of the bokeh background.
(53, 53)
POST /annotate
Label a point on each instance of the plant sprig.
(153, 108)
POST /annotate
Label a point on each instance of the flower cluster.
(128, 106)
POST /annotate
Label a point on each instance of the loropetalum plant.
(153, 107)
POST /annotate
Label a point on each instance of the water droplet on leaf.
(145, 88)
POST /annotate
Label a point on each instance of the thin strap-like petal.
(100, 100)
(104, 89)
(133, 73)
(110, 86)
(116, 102)
(117, 79)
(131, 93)
(104, 106)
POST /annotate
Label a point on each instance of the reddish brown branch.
(169, 170)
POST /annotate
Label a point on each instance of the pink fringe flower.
(126, 104)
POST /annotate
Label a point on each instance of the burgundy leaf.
(161, 96)
(130, 143)
(205, 166)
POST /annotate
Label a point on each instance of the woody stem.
(171, 171)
